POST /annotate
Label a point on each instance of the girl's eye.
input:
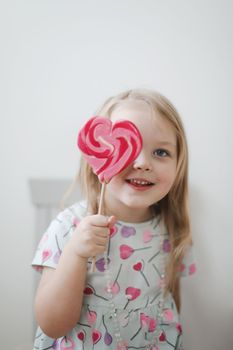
(161, 153)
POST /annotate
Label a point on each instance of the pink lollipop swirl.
(109, 147)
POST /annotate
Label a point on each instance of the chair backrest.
(46, 196)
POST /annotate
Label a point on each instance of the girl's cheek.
(167, 176)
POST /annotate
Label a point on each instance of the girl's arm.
(60, 293)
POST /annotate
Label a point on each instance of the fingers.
(98, 220)
(102, 221)
(91, 236)
(102, 241)
(101, 231)
(102, 224)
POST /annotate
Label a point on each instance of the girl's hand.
(91, 236)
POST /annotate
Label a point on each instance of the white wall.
(59, 60)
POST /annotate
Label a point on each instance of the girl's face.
(149, 178)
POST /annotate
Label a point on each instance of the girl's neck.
(130, 214)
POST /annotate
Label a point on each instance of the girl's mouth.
(140, 183)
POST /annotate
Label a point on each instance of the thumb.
(111, 221)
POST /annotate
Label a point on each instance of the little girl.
(132, 299)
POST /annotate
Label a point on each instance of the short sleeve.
(54, 239)
(188, 265)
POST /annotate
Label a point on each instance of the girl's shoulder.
(188, 264)
(56, 236)
(74, 213)
(68, 217)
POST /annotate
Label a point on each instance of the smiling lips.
(141, 184)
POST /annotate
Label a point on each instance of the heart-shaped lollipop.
(109, 147)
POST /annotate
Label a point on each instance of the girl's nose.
(142, 163)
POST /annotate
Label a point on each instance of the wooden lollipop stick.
(101, 204)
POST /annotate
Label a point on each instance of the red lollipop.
(109, 147)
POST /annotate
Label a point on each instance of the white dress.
(134, 256)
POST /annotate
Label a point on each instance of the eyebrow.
(167, 143)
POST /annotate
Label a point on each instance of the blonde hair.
(173, 208)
